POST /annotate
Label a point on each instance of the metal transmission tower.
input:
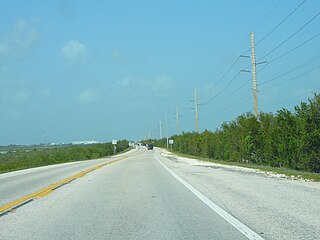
(196, 105)
(254, 78)
(177, 119)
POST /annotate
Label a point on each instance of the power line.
(196, 106)
(258, 25)
(186, 108)
(244, 97)
(268, 14)
(288, 52)
(261, 40)
(223, 76)
(288, 99)
(309, 61)
(278, 25)
(295, 48)
(291, 79)
(222, 89)
(230, 95)
(186, 115)
(234, 91)
(236, 61)
(291, 36)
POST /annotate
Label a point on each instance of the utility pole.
(160, 130)
(254, 78)
(177, 119)
(167, 132)
(196, 110)
(154, 133)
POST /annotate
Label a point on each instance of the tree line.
(289, 139)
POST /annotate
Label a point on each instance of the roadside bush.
(20, 159)
(284, 139)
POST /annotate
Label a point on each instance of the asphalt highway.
(15, 185)
(146, 195)
(136, 198)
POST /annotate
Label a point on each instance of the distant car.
(150, 146)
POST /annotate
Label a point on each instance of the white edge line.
(250, 234)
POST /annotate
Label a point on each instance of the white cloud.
(17, 96)
(88, 96)
(4, 50)
(162, 83)
(74, 50)
(124, 83)
(18, 41)
(23, 35)
(45, 93)
(22, 95)
(118, 56)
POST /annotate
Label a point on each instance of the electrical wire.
(288, 52)
(309, 61)
(222, 90)
(223, 76)
(234, 63)
(288, 99)
(187, 108)
(233, 107)
(291, 79)
(295, 48)
(234, 91)
(268, 14)
(262, 21)
(291, 36)
(278, 25)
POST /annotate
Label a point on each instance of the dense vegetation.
(285, 139)
(21, 158)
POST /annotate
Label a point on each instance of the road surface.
(148, 196)
(15, 185)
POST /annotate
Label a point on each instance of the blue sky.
(101, 70)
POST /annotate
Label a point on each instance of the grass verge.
(19, 159)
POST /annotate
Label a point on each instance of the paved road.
(14, 185)
(136, 198)
(153, 197)
(275, 207)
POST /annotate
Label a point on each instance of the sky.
(75, 70)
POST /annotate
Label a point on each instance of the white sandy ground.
(196, 162)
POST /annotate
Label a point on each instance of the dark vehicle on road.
(150, 146)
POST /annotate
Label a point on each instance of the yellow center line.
(44, 194)
(45, 191)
